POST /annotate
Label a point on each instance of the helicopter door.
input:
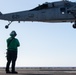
(43, 15)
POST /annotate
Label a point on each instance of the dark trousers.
(11, 57)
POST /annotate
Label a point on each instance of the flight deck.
(42, 71)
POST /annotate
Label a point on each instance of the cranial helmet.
(13, 34)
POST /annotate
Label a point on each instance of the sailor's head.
(13, 33)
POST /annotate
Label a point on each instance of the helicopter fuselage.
(62, 11)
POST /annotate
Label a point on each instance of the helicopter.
(59, 11)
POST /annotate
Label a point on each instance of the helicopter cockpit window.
(63, 10)
(40, 7)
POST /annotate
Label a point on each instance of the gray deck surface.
(39, 71)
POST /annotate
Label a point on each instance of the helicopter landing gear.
(74, 25)
(7, 26)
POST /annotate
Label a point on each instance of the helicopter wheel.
(6, 26)
(74, 26)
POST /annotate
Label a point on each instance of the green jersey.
(12, 44)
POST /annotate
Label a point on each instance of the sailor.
(12, 50)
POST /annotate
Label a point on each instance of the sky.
(41, 44)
